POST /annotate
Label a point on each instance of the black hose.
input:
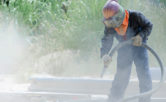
(129, 42)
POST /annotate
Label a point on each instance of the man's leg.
(143, 73)
(120, 83)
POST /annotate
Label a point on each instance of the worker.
(124, 25)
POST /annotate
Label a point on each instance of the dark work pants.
(126, 56)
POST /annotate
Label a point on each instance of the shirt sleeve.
(107, 41)
(145, 26)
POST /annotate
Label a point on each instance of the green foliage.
(46, 17)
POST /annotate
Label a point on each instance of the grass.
(51, 29)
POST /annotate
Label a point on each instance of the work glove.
(107, 60)
(137, 40)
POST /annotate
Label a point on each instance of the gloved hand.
(107, 60)
(137, 40)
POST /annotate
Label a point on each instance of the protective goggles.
(114, 21)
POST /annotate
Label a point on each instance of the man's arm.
(144, 24)
(107, 41)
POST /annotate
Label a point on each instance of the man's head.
(113, 14)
